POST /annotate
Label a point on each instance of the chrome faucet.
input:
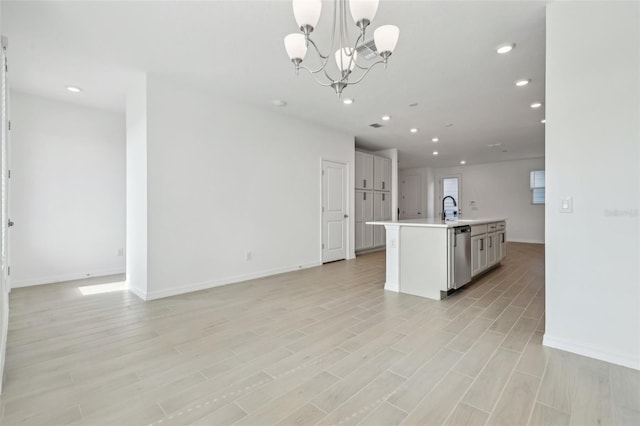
(444, 215)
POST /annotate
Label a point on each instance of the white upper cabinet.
(364, 170)
(382, 174)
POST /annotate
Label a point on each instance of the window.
(537, 186)
(451, 187)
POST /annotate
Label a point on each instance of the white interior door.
(411, 197)
(334, 211)
(4, 276)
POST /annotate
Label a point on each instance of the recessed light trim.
(463, 162)
(543, 121)
(414, 104)
(536, 105)
(505, 48)
(74, 89)
(414, 130)
(386, 117)
(435, 139)
(435, 152)
(523, 82)
(347, 101)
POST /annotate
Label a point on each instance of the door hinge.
(9, 176)
(9, 125)
(9, 270)
(322, 209)
(322, 246)
(323, 173)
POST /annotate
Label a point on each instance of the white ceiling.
(445, 60)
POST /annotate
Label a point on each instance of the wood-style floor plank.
(325, 345)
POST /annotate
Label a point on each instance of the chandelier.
(350, 70)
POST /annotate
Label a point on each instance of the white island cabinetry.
(420, 254)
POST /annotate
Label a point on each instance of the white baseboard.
(141, 294)
(65, 277)
(526, 241)
(580, 349)
(219, 282)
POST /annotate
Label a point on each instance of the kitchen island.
(430, 257)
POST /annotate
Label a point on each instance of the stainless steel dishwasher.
(461, 256)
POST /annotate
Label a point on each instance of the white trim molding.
(204, 285)
(597, 353)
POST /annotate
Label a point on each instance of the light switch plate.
(566, 205)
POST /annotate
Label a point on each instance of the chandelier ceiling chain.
(307, 14)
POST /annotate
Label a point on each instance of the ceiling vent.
(376, 125)
(367, 49)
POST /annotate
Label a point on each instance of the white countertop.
(436, 222)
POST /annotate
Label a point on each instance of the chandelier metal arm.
(315, 78)
(313, 43)
(367, 72)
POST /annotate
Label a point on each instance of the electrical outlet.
(247, 255)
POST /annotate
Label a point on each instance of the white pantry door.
(4, 274)
(334, 211)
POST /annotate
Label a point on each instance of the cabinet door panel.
(363, 206)
(364, 170)
(478, 254)
(379, 236)
(381, 174)
(501, 245)
(381, 206)
(386, 206)
(359, 236)
(491, 249)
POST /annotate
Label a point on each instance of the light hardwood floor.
(323, 346)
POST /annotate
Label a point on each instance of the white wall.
(499, 190)
(224, 179)
(592, 155)
(137, 212)
(67, 191)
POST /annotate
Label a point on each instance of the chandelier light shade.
(307, 13)
(386, 38)
(363, 11)
(348, 56)
(296, 47)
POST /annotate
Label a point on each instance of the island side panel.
(423, 261)
(393, 258)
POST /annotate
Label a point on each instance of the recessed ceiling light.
(414, 104)
(386, 117)
(279, 103)
(435, 152)
(74, 89)
(463, 162)
(435, 140)
(448, 125)
(413, 130)
(544, 120)
(536, 105)
(523, 82)
(505, 48)
(347, 101)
